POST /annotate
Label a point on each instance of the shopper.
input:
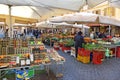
(79, 40)
(102, 35)
(25, 32)
(92, 35)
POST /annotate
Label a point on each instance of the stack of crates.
(5, 43)
(83, 55)
(10, 50)
(11, 42)
(15, 43)
(3, 46)
(22, 50)
(0, 50)
(18, 43)
(24, 43)
(4, 50)
(35, 50)
(98, 57)
(118, 52)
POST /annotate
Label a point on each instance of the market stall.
(17, 54)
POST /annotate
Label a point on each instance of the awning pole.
(83, 29)
(109, 30)
(10, 22)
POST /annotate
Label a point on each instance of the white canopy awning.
(48, 24)
(81, 26)
(64, 4)
(86, 18)
(24, 11)
(21, 25)
(115, 3)
(44, 24)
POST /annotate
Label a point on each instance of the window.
(110, 11)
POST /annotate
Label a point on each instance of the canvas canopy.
(86, 18)
(64, 4)
(44, 24)
(115, 3)
(50, 24)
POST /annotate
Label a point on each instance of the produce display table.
(59, 67)
(72, 51)
(34, 54)
(111, 47)
(57, 62)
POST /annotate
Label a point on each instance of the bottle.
(31, 58)
(28, 61)
(107, 52)
(17, 60)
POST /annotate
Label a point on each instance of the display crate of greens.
(69, 43)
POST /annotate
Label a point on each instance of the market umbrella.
(45, 24)
(76, 18)
(21, 25)
(84, 18)
(48, 24)
(81, 26)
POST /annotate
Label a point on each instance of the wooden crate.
(22, 50)
(0, 50)
(25, 43)
(4, 50)
(10, 50)
(5, 43)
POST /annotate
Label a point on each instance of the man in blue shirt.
(79, 39)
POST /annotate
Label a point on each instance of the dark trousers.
(76, 51)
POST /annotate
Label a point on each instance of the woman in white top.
(92, 35)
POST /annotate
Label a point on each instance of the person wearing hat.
(79, 39)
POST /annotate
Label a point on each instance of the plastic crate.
(56, 47)
(118, 52)
(97, 57)
(86, 59)
(65, 48)
(83, 59)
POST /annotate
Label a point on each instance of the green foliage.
(91, 46)
(69, 42)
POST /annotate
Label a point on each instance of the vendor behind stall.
(102, 35)
(78, 41)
